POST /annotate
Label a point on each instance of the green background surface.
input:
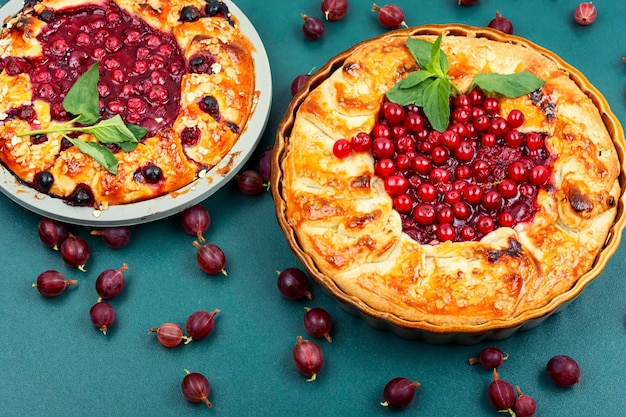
(54, 363)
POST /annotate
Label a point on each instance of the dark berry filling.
(482, 173)
(140, 83)
(82, 196)
(44, 181)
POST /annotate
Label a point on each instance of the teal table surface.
(53, 362)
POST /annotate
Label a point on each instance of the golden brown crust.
(231, 82)
(344, 220)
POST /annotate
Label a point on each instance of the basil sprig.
(82, 100)
(431, 87)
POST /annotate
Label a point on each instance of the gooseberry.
(525, 405)
(52, 232)
(390, 16)
(102, 315)
(308, 358)
(110, 282)
(563, 371)
(490, 357)
(334, 9)
(200, 324)
(399, 392)
(585, 13)
(52, 283)
(313, 28)
(501, 23)
(75, 252)
(250, 182)
(195, 220)
(500, 393)
(293, 284)
(318, 323)
(196, 388)
(169, 334)
(114, 237)
(211, 258)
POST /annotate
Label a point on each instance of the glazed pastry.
(445, 231)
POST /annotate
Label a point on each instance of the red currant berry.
(381, 131)
(427, 192)
(485, 224)
(383, 148)
(473, 194)
(403, 203)
(508, 188)
(394, 113)
(414, 123)
(517, 171)
(446, 232)
(361, 142)
(425, 214)
(488, 140)
(515, 118)
(396, 184)
(491, 105)
(421, 165)
(534, 141)
(342, 149)
(384, 167)
(539, 175)
(492, 200)
(506, 219)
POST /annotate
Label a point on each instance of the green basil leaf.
(100, 153)
(509, 85)
(415, 78)
(138, 131)
(128, 146)
(436, 104)
(402, 96)
(112, 130)
(413, 95)
(82, 98)
(438, 59)
(420, 49)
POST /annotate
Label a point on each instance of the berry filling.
(483, 172)
(140, 68)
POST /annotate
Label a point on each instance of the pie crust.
(229, 80)
(348, 236)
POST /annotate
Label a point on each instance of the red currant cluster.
(481, 173)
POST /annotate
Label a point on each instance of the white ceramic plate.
(172, 203)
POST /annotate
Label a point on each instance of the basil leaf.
(82, 98)
(100, 153)
(420, 49)
(111, 130)
(509, 85)
(128, 146)
(436, 104)
(415, 78)
(403, 96)
(138, 131)
(438, 59)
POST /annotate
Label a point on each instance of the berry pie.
(171, 90)
(485, 219)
